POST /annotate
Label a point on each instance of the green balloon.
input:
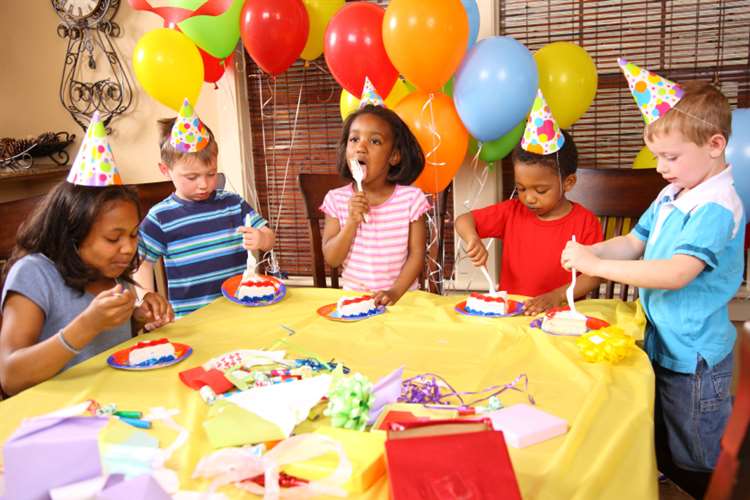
(446, 89)
(217, 35)
(499, 148)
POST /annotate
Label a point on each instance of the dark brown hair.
(411, 164)
(566, 159)
(62, 221)
(169, 155)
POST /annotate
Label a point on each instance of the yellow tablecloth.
(607, 453)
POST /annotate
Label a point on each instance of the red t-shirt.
(531, 246)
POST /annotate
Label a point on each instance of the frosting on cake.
(487, 304)
(151, 352)
(565, 323)
(356, 307)
(256, 289)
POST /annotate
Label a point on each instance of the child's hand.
(251, 238)
(358, 207)
(109, 309)
(543, 303)
(386, 297)
(153, 312)
(580, 257)
(476, 251)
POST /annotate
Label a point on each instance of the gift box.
(363, 449)
(524, 425)
(472, 464)
(47, 452)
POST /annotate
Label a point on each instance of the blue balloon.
(738, 155)
(472, 11)
(495, 87)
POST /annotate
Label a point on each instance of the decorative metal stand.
(50, 145)
(89, 35)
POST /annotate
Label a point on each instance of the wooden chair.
(314, 188)
(731, 478)
(619, 196)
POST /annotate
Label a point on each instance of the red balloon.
(213, 68)
(354, 49)
(274, 32)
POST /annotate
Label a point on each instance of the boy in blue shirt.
(198, 230)
(691, 240)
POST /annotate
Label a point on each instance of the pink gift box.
(524, 425)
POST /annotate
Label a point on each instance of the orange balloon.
(426, 39)
(441, 135)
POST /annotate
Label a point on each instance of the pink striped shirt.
(381, 245)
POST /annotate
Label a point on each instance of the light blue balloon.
(738, 154)
(472, 11)
(495, 87)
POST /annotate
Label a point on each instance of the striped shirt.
(199, 243)
(381, 245)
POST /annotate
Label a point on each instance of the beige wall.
(32, 63)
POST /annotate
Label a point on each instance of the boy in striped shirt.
(198, 230)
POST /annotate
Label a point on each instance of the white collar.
(700, 193)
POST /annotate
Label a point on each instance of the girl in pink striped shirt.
(385, 253)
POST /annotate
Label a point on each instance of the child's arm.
(667, 274)
(627, 247)
(542, 303)
(257, 239)
(144, 278)
(467, 230)
(412, 267)
(337, 240)
(25, 362)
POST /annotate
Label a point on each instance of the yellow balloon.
(645, 159)
(348, 104)
(567, 77)
(168, 66)
(319, 12)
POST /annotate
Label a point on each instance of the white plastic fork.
(358, 174)
(486, 273)
(252, 262)
(569, 292)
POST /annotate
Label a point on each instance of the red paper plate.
(515, 307)
(120, 358)
(229, 288)
(329, 312)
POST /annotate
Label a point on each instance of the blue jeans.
(691, 412)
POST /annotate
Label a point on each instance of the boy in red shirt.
(535, 227)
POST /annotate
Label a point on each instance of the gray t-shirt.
(37, 278)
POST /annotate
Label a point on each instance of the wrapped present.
(610, 344)
(35, 453)
(471, 464)
(363, 449)
(524, 425)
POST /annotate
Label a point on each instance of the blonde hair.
(169, 155)
(702, 112)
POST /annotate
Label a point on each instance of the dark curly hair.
(61, 222)
(411, 164)
(566, 160)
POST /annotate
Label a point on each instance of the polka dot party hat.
(653, 94)
(189, 135)
(542, 135)
(94, 165)
(370, 95)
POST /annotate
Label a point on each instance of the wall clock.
(93, 77)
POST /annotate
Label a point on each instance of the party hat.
(542, 135)
(94, 165)
(370, 95)
(189, 135)
(653, 94)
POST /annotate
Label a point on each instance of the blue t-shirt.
(708, 223)
(199, 243)
(36, 278)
